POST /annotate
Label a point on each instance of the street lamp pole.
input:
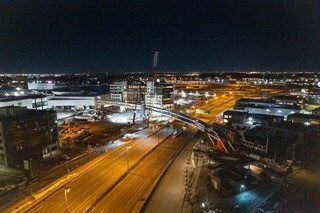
(128, 165)
(66, 190)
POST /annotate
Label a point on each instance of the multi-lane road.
(133, 189)
(214, 106)
(169, 194)
(91, 184)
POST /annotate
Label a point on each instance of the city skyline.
(56, 37)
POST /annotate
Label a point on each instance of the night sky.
(118, 36)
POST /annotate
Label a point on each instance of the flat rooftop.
(21, 97)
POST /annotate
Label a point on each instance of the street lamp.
(66, 191)
(128, 165)
(242, 188)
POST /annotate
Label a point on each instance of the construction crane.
(135, 105)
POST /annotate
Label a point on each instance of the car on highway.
(185, 127)
(65, 156)
(176, 133)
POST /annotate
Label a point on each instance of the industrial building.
(304, 119)
(278, 141)
(67, 103)
(288, 101)
(237, 118)
(266, 106)
(30, 101)
(79, 98)
(44, 86)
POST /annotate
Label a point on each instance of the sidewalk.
(11, 172)
(10, 178)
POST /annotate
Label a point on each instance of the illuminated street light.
(242, 188)
(66, 191)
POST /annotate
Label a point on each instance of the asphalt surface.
(215, 106)
(88, 186)
(306, 183)
(168, 196)
(54, 167)
(133, 188)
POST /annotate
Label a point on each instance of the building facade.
(118, 91)
(135, 92)
(67, 103)
(159, 95)
(44, 86)
(234, 117)
(39, 102)
(304, 119)
(267, 107)
(26, 134)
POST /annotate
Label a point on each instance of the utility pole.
(293, 152)
(31, 169)
(66, 190)
(128, 165)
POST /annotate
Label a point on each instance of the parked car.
(65, 156)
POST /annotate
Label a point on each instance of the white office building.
(62, 103)
(30, 101)
(118, 91)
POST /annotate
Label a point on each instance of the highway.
(171, 189)
(91, 184)
(215, 106)
(133, 188)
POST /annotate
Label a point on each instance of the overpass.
(216, 133)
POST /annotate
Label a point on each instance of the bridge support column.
(143, 111)
(218, 142)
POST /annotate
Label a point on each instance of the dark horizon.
(112, 36)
